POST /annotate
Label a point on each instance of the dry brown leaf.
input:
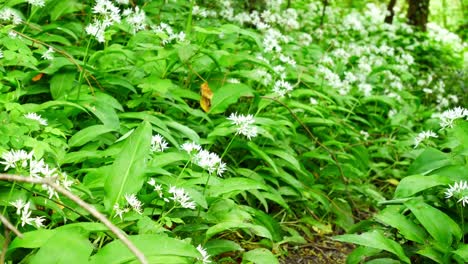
(37, 77)
(206, 96)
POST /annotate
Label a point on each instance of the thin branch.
(118, 232)
(10, 226)
(6, 242)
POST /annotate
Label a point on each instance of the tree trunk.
(418, 11)
(390, 12)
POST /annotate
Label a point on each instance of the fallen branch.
(117, 231)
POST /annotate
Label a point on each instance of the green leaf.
(462, 252)
(234, 185)
(431, 253)
(61, 84)
(152, 246)
(411, 185)
(431, 159)
(259, 256)
(255, 149)
(32, 239)
(439, 225)
(127, 172)
(220, 246)
(391, 216)
(67, 245)
(88, 134)
(227, 95)
(228, 226)
(375, 239)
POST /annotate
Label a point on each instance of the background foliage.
(230, 131)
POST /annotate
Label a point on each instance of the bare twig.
(6, 242)
(10, 226)
(117, 231)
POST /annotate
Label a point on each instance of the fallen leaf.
(206, 96)
(37, 77)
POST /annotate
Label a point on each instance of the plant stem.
(85, 63)
(188, 28)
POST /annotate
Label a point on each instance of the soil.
(323, 251)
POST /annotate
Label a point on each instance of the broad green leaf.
(265, 220)
(360, 253)
(439, 225)
(343, 212)
(462, 252)
(107, 115)
(32, 239)
(255, 149)
(234, 185)
(185, 130)
(431, 159)
(52, 104)
(229, 226)
(88, 134)
(411, 185)
(375, 239)
(391, 216)
(152, 246)
(219, 246)
(127, 173)
(227, 95)
(259, 256)
(61, 84)
(433, 254)
(68, 245)
(383, 261)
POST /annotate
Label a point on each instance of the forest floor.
(324, 251)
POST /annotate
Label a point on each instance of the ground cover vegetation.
(229, 132)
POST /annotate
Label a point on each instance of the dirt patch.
(324, 251)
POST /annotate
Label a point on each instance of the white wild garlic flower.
(244, 125)
(158, 143)
(180, 197)
(205, 257)
(49, 54)
(423, 136)
(36, 117)
(460, 191)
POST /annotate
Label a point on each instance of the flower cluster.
(167, 34)
(178, 195)
(24, 212)
(205, 257)
(132, 204)
(244, 125)
(106, 15)
(48, 55)
(38, 3)
(158, 143)
(423, 136)
(24, 161)
(282, 87)
(448, 117)
(36, 117)
(459, 190)
(136, 18)
(207, 160)
(10, 16)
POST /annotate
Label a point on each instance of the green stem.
(188, 28)
(33, 12)
(85, 63)
(462, 223)
(9, 197)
